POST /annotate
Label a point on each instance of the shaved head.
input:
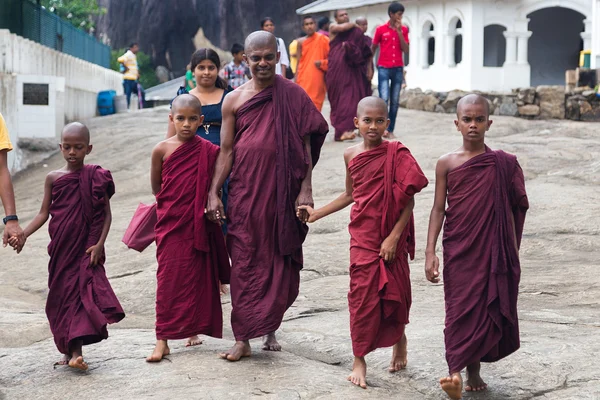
(472, 99)
(260, 40)
(188, 101)
(361, 21)
(76, 129)
(372, 102)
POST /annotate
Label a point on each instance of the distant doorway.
(554, 45)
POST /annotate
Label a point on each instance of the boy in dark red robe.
(349, 58)
(191, 254)
(485, 191)
(381, 179)
(272, 136)
(80, 300)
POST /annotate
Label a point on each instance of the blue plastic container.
(106, 105)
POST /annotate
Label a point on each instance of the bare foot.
(474, 382)
(161, 350)
(359, 372)
(347, 136)
(399, 356)
(193, 341)
(270, 343)
(239, 350)
(64, 361)
(452, 385)
(78, 363)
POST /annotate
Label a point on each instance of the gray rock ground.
(559, 301)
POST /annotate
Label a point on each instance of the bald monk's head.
(186, 115)
(372, 118)
(76, 130)
(262, 55)
(473, 116)
(362, 24)
(260, 40)
(75, 144)
(473, 99)
(186, 101)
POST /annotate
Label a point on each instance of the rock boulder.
(552, 102)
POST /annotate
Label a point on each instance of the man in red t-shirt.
(392, 38)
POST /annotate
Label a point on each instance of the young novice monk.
(80, 301)
(190, 249)
(381, 179)
(486, 197)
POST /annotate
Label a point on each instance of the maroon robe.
(190, 249)
(264, 235)
(80, 301)
(384, 181)
(482, 234)
(368, 85)
(349, 54)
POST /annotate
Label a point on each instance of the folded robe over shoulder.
(80, 301)
(346, 77)
(264, 235)
(486, 210)
(190, 249)
(384, 181)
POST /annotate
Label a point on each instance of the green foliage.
(79, 12)
(147, 75)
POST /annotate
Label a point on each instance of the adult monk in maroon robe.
(270, 140)
(348, 61)
(191, 253)
(80, 300)
(381, 180)
(487, 202)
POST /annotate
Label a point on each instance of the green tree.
(147, 75)
(80, 13)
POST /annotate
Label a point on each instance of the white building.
(487, 45)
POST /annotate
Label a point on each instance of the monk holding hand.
(80, 300)
(190, 249)
(381, 180)
(485, 191)
(271, 138)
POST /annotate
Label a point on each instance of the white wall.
(74, 82)
(470, 74)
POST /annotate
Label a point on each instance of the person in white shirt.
(268, 25)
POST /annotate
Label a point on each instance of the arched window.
(428, 44)
(454, 42)
(494, 46)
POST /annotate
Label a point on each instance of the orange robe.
(309, 77)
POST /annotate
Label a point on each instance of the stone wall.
(542, 102)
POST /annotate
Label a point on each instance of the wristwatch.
(10, 218)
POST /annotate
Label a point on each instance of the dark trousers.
(395, 76)
(129, 87)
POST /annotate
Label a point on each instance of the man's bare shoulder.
(353, 151)
(235, 99)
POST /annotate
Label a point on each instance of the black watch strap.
(10, 218)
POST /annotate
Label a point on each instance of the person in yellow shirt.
(131, 73)
(11, 221)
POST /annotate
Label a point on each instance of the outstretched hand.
(306, 214)
(432, 268)
(304, 199)
(14, 236)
